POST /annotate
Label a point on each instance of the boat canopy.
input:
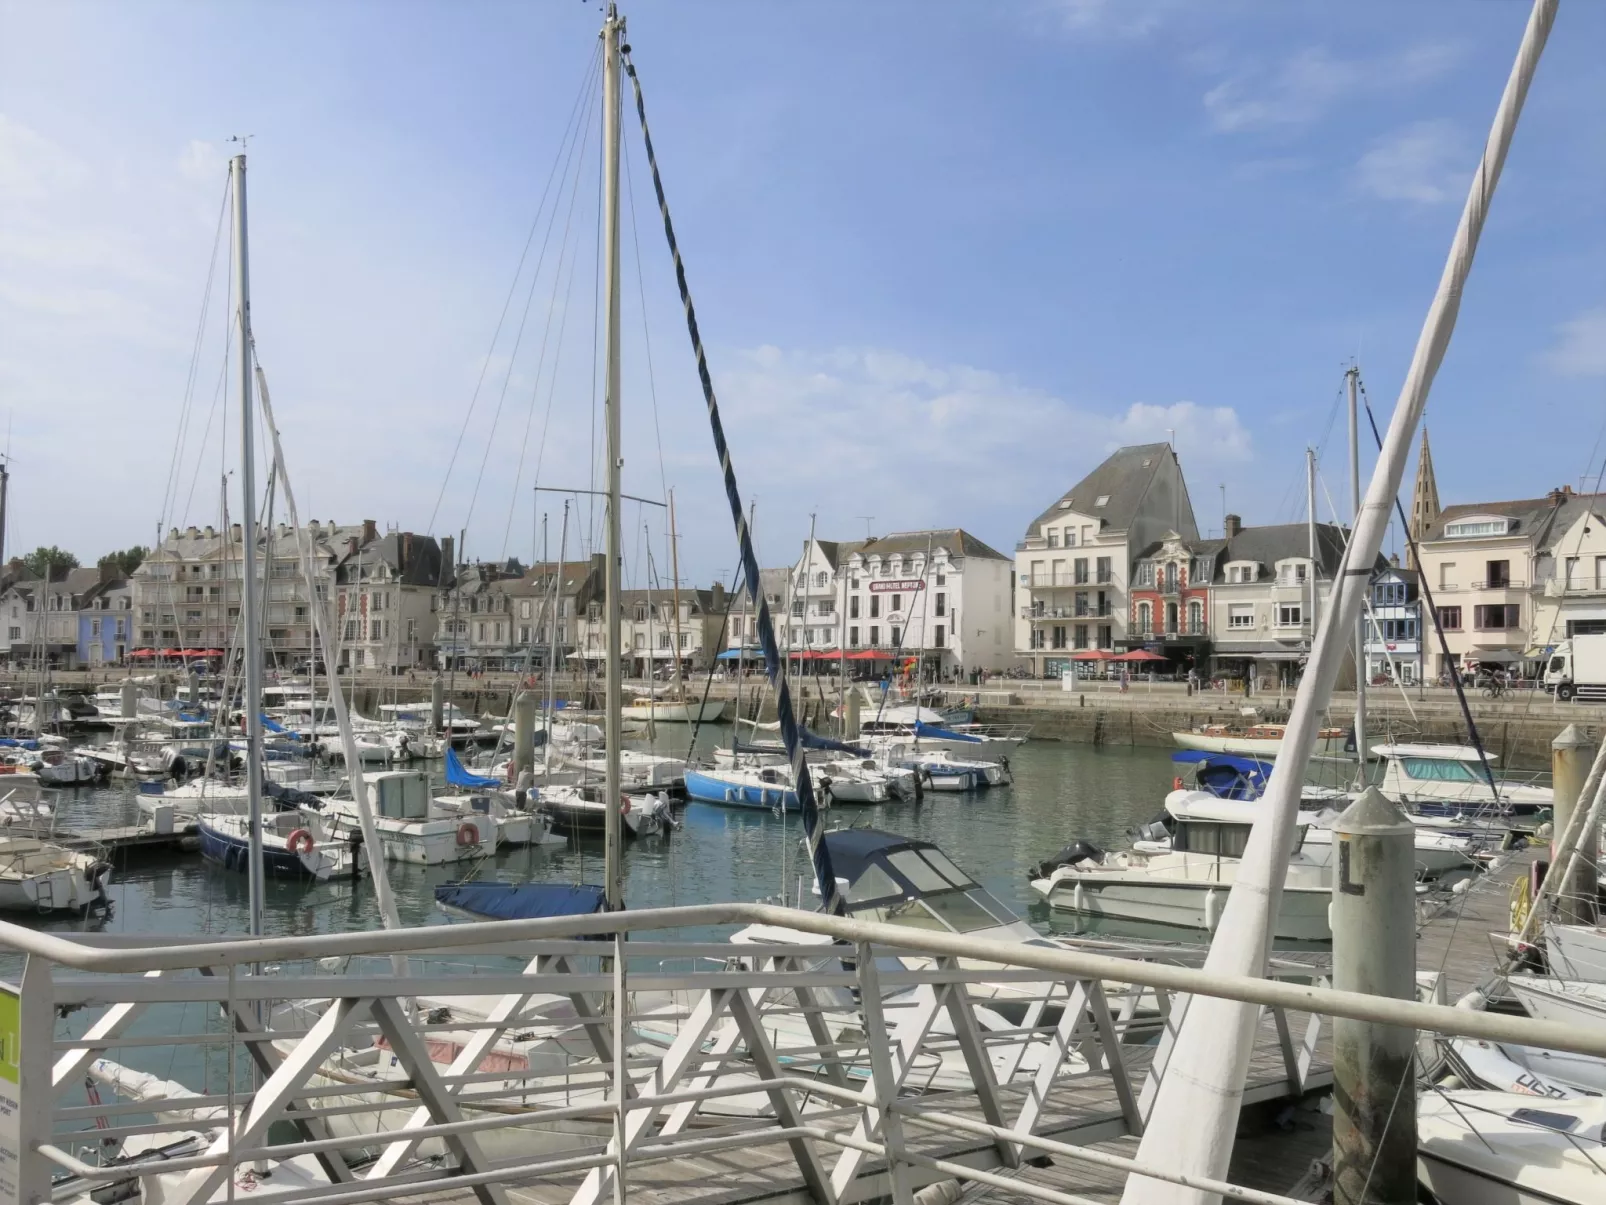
(903, 880)
(521, 901)
(938, 732)
(1436, 752)
(457, 776)
(1227, 775)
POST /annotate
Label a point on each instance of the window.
(1059, 637)
(897, 638)
(1497, 617)
(1145, 575)
(1070, 537)
(736, 628)
(1289, 615)
(641, 640)
(875, 605)
(941, 603)
(663, 640)
(1102, 568)
(1447, 575)
(1081, 602)
(481, 635)
(875, 635)
(16, 634)
(1475, 527)
(897, 603)
(1388, 594)
(1106, 636)
(820, 579)
(1145, 619)
(1196, 618)
(351, 629)
(1398, 629)
(1435, 769)
(94, 627)
(1497, 573)
(853, 607)
(524, 608)
(853, 636)
(1170, 577)
(797, 608)
(1053, 537)
(412, 629)
(1079, 633)
(942, 579)
(685, 640)
(1450, 618)
(826, 606)
(1080, 571)
(937, 636)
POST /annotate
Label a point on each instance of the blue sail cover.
(809, 740)
(1227, 775)
(459, 777)
(521, 901)
(937, 732)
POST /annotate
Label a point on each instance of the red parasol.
(869, 655)
(1141, 655)
(1092, 655)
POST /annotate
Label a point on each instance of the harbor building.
(105, 622)
(386, 601)
(42, 617)
(1072, 567)
(1170, 599)
(741, 628)
(1492, 567)
(1268, 593)
(651, 634)
(501, 616)
(1394, 633)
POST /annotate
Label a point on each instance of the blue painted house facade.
(105, 623)
(1394, 626)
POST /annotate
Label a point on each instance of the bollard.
(437, 704)
(1570, 755)
(524, 730)
(850, 717)
(1374, 951)
(129, 699)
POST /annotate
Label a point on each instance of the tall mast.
(1310, 535)
(1351, 381)
(248, 535)
(612, 28)
(674, 574)
(556, 644)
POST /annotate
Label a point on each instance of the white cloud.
(1425, 163)
(1309, 83)
(923, 444)
(1105, 18)
(1580, 348)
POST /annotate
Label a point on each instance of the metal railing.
(1509, 584)
(862, 1061)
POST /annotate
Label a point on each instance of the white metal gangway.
(871, 1060)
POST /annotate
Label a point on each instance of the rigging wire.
(585, 88)
(646, 333)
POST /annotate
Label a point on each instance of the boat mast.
(674, 574)
(1310, 533)
(1351, 382)
(248, 594)
(552, 659)
(612, 28)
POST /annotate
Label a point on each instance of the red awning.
(1141, 655)
(143, 653)
(1092, 655)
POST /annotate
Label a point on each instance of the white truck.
(1577, 668)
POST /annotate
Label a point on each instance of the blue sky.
(945, 256)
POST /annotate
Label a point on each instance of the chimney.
(1231, 526)
(716, 598)
(284, 531)
(193, 533)
(404, 556)
(351, 545)
(172, 533)
(210, 534)
(234, 532)
(448, 548)
(1394, 559)
(312, 527)
(370, 532)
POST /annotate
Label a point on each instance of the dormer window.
(1101, 500)
(1463, 529)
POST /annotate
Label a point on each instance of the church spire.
(1424, 499)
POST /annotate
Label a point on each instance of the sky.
(945, 259)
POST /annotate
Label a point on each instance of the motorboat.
(767, 787)
(638, 770)
(944, 770)
(580, 809)
(1448, 780)
(40, 876)
(295, 845)
(1437, 852)
(1183, 878)
(846, 780)
(1253, 740)
(409, 829)
(674, 711)
(1510, 1148)
(1578, 1002)
(57, 768)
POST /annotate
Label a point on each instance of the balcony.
(1577, 588)
(1508, 584)
(1180, 632)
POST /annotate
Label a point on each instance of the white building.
(652, 635)
(1072, 567)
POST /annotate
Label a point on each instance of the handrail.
(1068, 963)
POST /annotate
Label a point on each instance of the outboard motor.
(1076, 851)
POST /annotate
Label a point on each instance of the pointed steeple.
(1424, 499)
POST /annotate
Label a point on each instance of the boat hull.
(1183, 904)
(234, 853)
(707, 788)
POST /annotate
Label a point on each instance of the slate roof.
(958, 542)
(773, 583)
(1282, 541)
(1124, 476)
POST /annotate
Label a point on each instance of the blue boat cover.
(521, 901)
(272, 726)
(11, 742)
(459, 777)
(1227, 775)
(937, 732)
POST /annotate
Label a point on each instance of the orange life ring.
(468, 834)
(300, 842)
(624, 805)
(1176, 783)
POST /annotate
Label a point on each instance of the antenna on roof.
(868, 519)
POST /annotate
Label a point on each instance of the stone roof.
(1123, 478)
(1285, 541)
(959, 543)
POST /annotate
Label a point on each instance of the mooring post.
(523, 732)
(1576, 894)
(1374, 952)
